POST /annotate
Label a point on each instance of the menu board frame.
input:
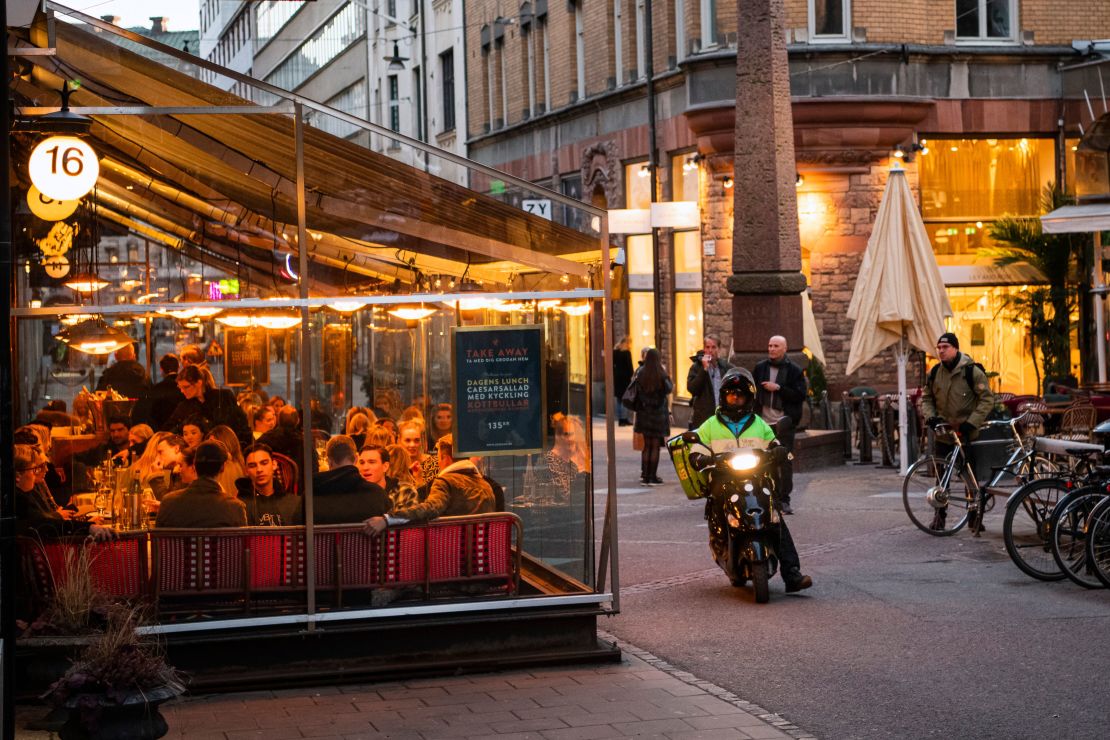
(240, 374)
(528, 422)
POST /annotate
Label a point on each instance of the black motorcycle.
(740, 509)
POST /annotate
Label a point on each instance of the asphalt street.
(903, 634)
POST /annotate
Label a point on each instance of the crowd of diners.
(210, 457)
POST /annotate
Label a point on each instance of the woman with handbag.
(653, 414)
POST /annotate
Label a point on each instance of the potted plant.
(1046, 308)
(115, 686)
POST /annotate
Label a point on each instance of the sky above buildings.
(184, 15)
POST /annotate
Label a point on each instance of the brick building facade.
(557, 96)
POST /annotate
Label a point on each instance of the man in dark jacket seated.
(266, 500)
(203, 505)
(459, 489)
(286, 438)
(341, 495)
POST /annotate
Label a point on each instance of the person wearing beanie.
(957, 393)
(780, 392)
(203, 504)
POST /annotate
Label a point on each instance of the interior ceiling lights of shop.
(85, 283)
(345, 305)
(73, 319)
(575, 309)
(412, 313)
(267, 319)
(188, 314)
(94, 337)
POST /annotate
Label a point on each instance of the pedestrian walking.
(622, 376)
(653, 386)
(780, 393)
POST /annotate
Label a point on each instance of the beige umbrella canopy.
(899, 297)
(899, 291)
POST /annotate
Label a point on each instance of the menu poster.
(246, 356)
(498, 389)
(337, 353)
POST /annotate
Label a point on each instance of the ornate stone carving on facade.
(601, 165)
(838, 156)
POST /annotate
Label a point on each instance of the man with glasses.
(956, 393)
(780, 392)
(704, 380)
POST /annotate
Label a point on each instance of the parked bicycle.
(1027, 524)
(941, 494)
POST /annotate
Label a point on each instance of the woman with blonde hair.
(235, 468)
(568, 457)
(381, 436)
(400, 464)
(358, 425)
(425, 467)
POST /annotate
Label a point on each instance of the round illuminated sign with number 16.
(63, 167)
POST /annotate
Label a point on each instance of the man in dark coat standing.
(164, 396)
(780, 393)
(127, 377)
(704, 380)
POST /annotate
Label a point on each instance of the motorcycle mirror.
(691, 437)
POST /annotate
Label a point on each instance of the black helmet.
(737, 380)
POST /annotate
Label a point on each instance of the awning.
(225, 183)
(1020, 273)
(1077, 219)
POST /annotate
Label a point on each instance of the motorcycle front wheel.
(932, 508)
(761, 582)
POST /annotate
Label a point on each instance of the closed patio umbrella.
(899, 298)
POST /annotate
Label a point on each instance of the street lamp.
(396, 62)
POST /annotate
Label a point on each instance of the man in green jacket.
(957, 393)
(735, 425)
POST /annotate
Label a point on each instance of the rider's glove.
(966, 430)
(700, 460)
(934, 421)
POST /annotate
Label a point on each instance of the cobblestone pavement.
(642, 696)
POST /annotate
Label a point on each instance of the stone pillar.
(766, 280)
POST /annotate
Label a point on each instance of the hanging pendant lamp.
(94, 337)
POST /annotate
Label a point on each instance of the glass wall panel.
(688, 330)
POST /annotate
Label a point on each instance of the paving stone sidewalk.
(642, 696)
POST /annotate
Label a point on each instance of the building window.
(708, 24)
(352, 100)
(618, 42)
(641, 40)
(530, 65)
(418, 102)
(680, 29)
(328, 42)
(271, 16)
(447, 81)
(968, 183)
(580, 50)
(640, 262)
(689, 324)
(394, 104)
(504, 72)
(542, 25)
(986, 20)
(487, 59)
(829, 20)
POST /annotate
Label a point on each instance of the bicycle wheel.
(1098, 541)
(1025, 528)
(1068, 533)
(925, 499)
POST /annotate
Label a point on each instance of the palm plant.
(1048, 307)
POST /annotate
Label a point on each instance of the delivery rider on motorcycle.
(733, 426)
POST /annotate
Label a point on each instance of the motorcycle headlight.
(743, 461)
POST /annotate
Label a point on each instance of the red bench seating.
(195, 571)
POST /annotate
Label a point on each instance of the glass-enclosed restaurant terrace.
(367, 281)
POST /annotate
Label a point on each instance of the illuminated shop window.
(968, 183)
